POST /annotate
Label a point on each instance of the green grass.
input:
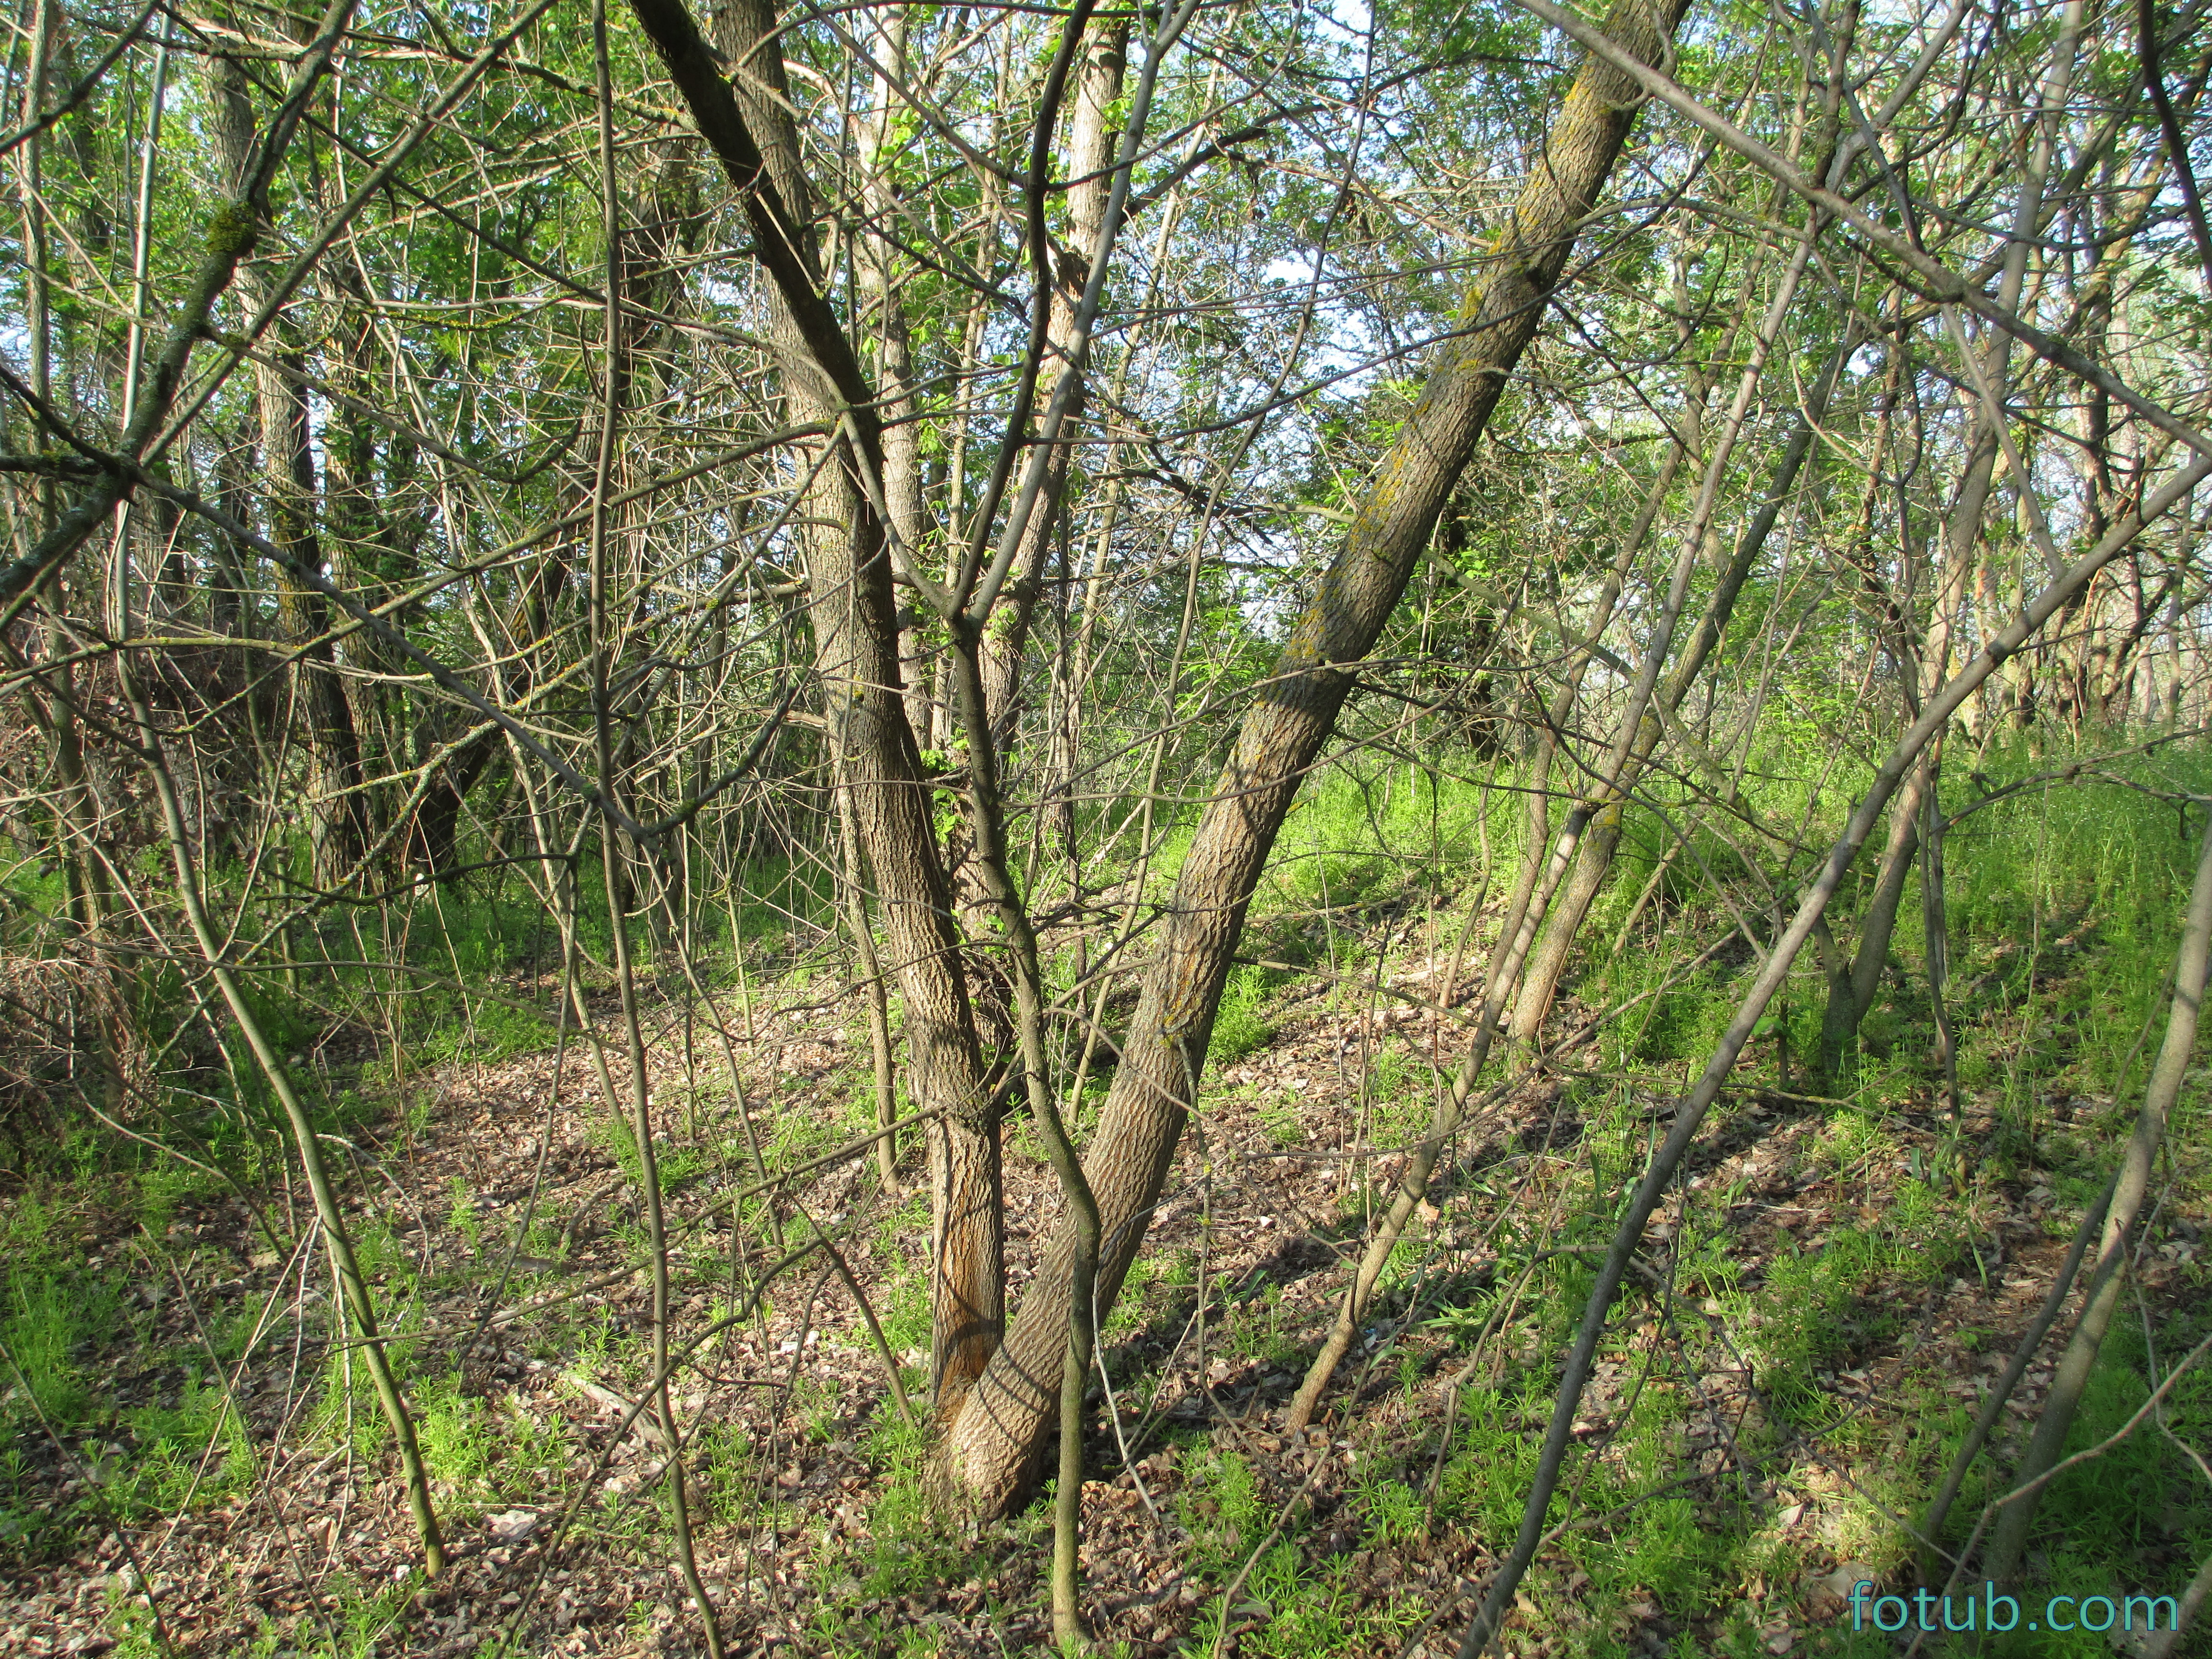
(196, 1449)
(51, 1320)
(2063, 912)
(1289, 1604)
(909, 1547)
(1239, 1028)
(488, 1033)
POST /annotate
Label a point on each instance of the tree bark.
(1002, 648)
(992, 1445)
(746, 121)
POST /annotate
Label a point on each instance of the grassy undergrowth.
(2062, 905)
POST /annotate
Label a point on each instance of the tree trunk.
(1003, 646)
(993, 1446)
(2009, 1537)
(1593, 859)
(742, 105)
(1642, 723)
(1851, 998)
(337, 803)
(1090, 155)
(854, 900)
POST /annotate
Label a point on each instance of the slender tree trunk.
(1661, 1170)
(1852, 987)
(992, 1445)
(1594, 857)
(1851, 997)
(337, 804)
(741, 99)
(1002, 648)
(884, 322)
(1639, 738)
(987, 813)
(359, 1301)
(364, 542)
(1090, 156)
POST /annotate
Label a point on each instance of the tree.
(992, 1445)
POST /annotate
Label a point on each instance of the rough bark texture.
(745, 119)
(994, 1445)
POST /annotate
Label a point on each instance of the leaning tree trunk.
(992, 1445)
(1639, 738)
(2009, 1537)
(743, 112)
(1535, 887)
(1594, 858)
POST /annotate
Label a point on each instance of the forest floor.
(1827, 1292)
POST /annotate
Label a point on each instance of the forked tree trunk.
(1003, 646)
(1092, 139)
(994, 1443)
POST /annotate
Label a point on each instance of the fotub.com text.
(1990, 1609)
